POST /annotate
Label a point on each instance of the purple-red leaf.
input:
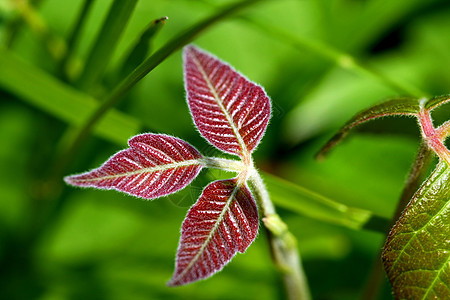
(229, 111)
(222, 222)
(155, 165)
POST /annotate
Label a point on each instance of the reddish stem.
(444, 130)
(434, 137)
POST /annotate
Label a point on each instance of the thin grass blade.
(147, 66)
(106, 42)
(305, 202)
(73, 39)
(142, 47)
(48, 94)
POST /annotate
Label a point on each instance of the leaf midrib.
(212, 232)
(157, 168)
(415, 232)
(205, 76)
(441, 269)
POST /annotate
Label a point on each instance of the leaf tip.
(69, 179)
(177, 280)
(222, 222)
(161, 20)
(172, 283)
(74, 180)
(154, 165)
(336, 139)
(230, 111)
(189, 49)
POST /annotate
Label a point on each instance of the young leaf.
(437, 101)
(229, 111)
(223, 221)
(399, 106)
(155, 165)
(417, 253)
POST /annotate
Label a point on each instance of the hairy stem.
(224, 164)
(433, 137)
(282, 243)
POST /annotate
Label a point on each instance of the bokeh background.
(320, 61)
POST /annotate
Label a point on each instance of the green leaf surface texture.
(417, 252)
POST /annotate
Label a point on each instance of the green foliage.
(60, 100)
(416, 255)
(418, 242)
(107, 39)
(142, 46)
(320, 61)
(305, 202)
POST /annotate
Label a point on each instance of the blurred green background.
(320, 61)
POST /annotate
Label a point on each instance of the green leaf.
(177, 42)
(74, 37)
(417, 253)
(305, 202)
(43, 91)
(107, 39)
(399, 106)
(142, 46)
(437, 101)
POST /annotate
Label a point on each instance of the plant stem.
(224, 164)
(140, 48)
(433, 137)
(118, 16)
(74, 37)
(282, 243)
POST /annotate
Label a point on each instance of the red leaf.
(230, 111)
(155, 165)
(223, 221)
